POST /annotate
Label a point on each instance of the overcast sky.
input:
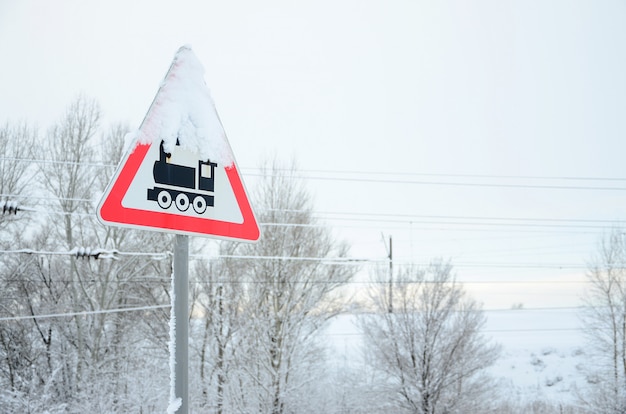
(475, 94)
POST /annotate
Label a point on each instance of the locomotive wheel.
(164, 199)
(182, 202)
(199, 204)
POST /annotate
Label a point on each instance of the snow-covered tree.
(286, 295)
(83, 359)
(218, 299)
(16, 142)
(605, 320)
(428, 353)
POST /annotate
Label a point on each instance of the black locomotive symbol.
(181, 182)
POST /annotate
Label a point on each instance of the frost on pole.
(179, 173)
(174, 402)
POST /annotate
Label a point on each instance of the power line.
(454, 183)
(302, 173)
(368, 216)
(59, 162)
(144, 280)
(53, 199)
(153, 307)
(511, 330)
(85, 313)
(466, 175)
(333, 261)
(528, 224)
(87, 252)
(541, 309)
(523, 223)
(362, 177)
(377, 282)
(539, 330)
(448, 217)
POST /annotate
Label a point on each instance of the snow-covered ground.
(543, 352)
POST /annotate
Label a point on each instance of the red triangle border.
(111, 210)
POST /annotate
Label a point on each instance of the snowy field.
(543, 352)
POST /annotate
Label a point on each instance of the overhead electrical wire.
(449, 217)
(338, 175)
(434, 222)
(85, 313)
(461, 184)
(511, 330)
(520, 223)
(373, 216)
(331, 261)
(385, 282)
(160, 280)
(447, 175)
(410, 219)
(154, 307)
(59, 162)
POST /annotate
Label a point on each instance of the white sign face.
(217, 203)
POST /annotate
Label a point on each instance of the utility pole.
(390, 256)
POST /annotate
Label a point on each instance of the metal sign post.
(181, 320)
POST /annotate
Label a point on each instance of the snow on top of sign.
(183, 110)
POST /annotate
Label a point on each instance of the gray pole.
(390, 255)
(181, 319)
(390, 275)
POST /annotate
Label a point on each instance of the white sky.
(497, 88)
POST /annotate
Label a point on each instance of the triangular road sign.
(179, 174)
